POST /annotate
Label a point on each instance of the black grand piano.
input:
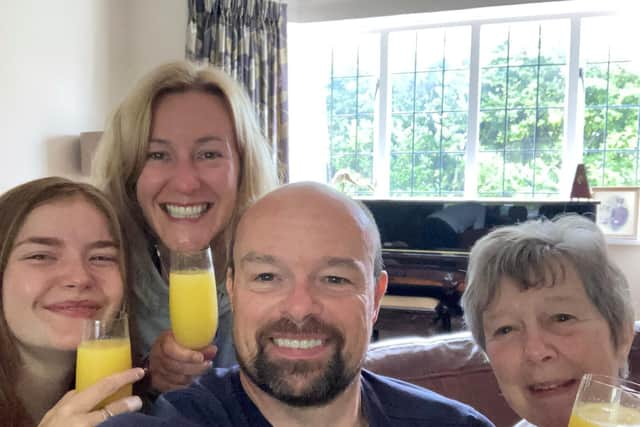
(426, 244)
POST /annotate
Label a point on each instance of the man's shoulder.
(211, 400)
(214, 395)
(407, 403)
(216, 381)
(141, 420)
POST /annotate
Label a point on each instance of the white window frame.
(574, 96)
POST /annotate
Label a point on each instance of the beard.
(323, 381)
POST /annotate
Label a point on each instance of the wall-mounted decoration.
(617, 213)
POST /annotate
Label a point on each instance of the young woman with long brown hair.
(61, 261)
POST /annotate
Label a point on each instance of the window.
(612, 103)
(502, 106)
(523, 73)
(429, 109)
(350, 107)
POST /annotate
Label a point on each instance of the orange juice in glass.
(604, 401)
(193, 303)
(105, 349)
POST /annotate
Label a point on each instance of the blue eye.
(156, 155)
(265, 277)
(337, 280)
(105, 259)
(39, 257)
(562, 317)
(504, 330)
(209, 155)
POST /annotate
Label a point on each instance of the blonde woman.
(181, 157)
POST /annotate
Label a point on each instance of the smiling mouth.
(297, 344)
(186, 212)
(80, 309)
(550, 387)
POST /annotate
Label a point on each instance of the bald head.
(305, 286)
(309, 202)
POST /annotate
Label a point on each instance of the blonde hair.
(15, 206)
(122, 150)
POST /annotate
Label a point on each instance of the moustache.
(311, 325)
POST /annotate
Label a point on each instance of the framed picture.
(617, 213)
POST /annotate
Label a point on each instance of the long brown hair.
(15, 206)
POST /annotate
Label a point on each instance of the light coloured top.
(151, 307)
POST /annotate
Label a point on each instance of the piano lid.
(434, 228)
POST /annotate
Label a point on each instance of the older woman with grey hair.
(546, 303)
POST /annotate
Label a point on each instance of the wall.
(628, 259)
(328, 10)
(65, 65)
(155, 33)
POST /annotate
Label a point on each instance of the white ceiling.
(329, 10)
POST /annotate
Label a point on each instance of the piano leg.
(443, 317)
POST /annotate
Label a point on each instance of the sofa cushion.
(449, 364)
(634, 355)
(452, 365)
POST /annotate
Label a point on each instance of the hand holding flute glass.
(105, 349)
(193, 302)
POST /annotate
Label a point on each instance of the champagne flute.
(105, 349)
(193, 302)
(604, 401)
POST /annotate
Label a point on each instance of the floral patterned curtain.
(248, 39)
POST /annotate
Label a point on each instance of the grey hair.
(533, 252)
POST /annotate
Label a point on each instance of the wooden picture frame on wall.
(617, 212)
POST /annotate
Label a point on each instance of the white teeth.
(544, 387)
(193, 211)
(548, 387)
(304, 344)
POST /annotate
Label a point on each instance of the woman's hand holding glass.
(104, 377)
(185, 352)
(173, 366)
(604, 401)
(82, 408)
(105, 349)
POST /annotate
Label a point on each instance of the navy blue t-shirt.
(218, 399)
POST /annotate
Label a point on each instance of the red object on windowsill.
(580, 188)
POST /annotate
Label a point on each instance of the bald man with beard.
(305, 283)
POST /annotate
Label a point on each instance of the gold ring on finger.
(107, 413)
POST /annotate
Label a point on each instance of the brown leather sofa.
(452, 365)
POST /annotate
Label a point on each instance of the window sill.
(612, 241)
